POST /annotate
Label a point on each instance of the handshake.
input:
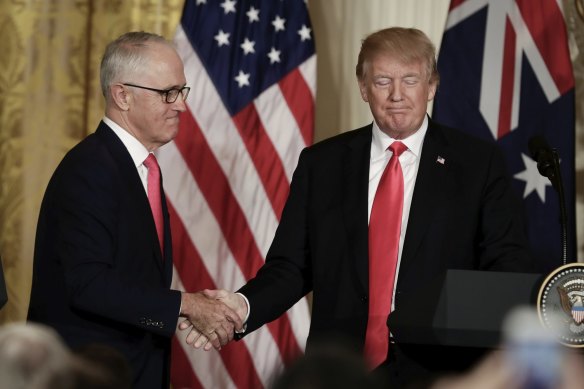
(212, 317)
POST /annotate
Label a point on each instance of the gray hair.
(125, 56)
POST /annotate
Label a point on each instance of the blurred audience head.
(32, 356)
(112, 366)
(329, 365)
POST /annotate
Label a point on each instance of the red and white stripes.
(226, 180)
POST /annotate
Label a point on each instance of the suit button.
(364, 298)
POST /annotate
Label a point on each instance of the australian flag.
(506, 76)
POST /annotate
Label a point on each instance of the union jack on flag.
(506, 76)
(251, 65)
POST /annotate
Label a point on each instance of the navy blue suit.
(463, 216)
(99, 275)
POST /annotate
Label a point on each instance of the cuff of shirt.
(246, 316)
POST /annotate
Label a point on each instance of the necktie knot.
(151, 162)
(397, 148)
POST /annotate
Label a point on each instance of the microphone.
(548, 165)
(544, 156)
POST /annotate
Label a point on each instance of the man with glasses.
(103, 255)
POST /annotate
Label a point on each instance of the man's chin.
(398, 130)
(170, 135)
(173, 131)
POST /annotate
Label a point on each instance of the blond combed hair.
(409, 45)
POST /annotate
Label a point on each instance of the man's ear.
(432, 90)
(120, 96)
(363, 89)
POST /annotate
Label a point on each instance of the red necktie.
(384, 231)
(154, 196)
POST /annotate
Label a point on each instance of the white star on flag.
(199, 2)
(222, 38)
(242, 79)
(253, 14)
(274, 55)
(228, 6)
(278, 23)
(304, 33)
(533, 180)
(248, 46)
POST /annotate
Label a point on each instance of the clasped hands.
(211, 317)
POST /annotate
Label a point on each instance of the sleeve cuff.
(246, 316)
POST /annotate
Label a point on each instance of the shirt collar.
(381, 141)
(136, 149)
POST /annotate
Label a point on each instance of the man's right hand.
(233, 300)
(212, 320)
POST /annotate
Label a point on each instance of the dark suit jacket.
(463, 216)
(99, 275)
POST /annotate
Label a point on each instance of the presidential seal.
(560, 304)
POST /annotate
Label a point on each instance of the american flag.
(251, 65)
(506, 76)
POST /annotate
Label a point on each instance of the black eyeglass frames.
(170, 95)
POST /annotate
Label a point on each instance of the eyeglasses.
(170, 95)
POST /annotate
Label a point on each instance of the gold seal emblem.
(560, 304)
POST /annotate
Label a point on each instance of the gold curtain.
(49, 100)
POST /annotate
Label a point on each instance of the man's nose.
(395, 93)
(180, 104)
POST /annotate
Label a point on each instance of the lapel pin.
(440, 160)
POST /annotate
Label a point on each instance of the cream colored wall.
(339, 26)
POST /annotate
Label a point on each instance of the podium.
(459, 313)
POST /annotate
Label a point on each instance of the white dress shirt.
(136, 149)
(409, 161)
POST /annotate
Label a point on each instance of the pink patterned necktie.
(154, 196)
(384, 232)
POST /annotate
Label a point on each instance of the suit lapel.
(429, 192)
(355, 193)
(133, 186)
